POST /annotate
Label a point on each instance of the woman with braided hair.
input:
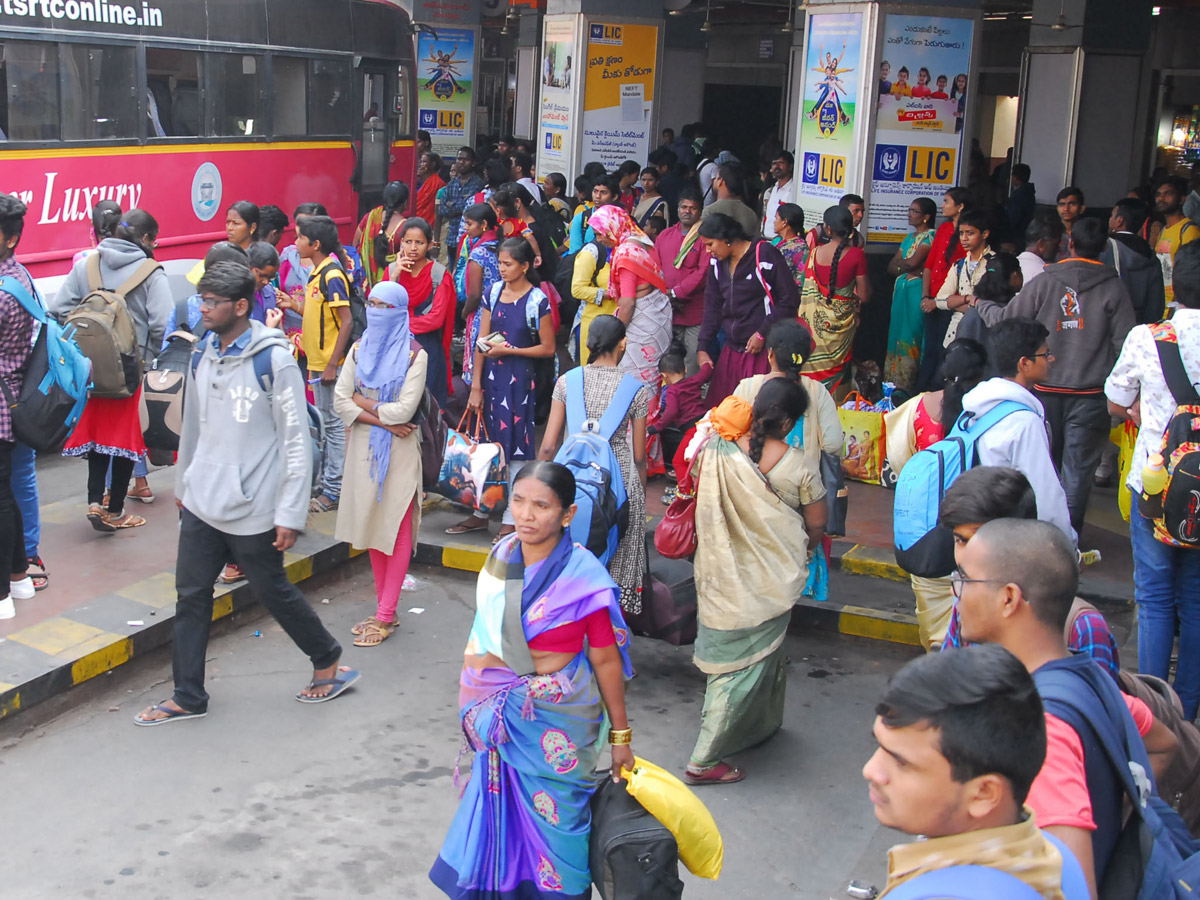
(835, 288)
(379, 233)
(759, 509)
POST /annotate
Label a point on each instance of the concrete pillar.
(1085, 90)
(603, 106)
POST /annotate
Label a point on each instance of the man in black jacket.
(1134, 260)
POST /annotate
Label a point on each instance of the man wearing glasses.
(1015, 582)
(1020, 354)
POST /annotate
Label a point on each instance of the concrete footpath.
(112, 597)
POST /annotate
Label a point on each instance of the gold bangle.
(617, 736)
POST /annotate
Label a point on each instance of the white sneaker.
(23, 589)
(7, 608)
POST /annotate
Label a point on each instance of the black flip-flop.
(349, 676)
(173, 715)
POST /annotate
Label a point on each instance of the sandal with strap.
(99, 519)
(721, 773)
(373, 634)
(321, 503)
(356, 630)
(142, 495)
(124, 520)
(349, 676)
(41, 578)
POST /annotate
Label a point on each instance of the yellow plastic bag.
(1124, 436)
(682, 813)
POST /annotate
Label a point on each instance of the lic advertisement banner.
(557, 88)
(619, 93)
(922, 104)
(828, 111)
(445, 77)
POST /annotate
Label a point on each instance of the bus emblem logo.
(206, 191)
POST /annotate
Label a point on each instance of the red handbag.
(675, 536)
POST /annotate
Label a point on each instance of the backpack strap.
(182, 316)
(92, 267)
(619, 406)
(494, 297)
(264, 371)
(437, 274)
(768, 300)
(963, 883)
(532, 301)
(144, 271)
(11, 285)
(969, 424)
(1115, 247)
(1174, 373)
(576, 406)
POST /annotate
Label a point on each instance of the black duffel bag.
(632, 855)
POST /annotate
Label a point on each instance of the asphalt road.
(266, 798)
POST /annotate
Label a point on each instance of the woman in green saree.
(759, 508)
(906, 331)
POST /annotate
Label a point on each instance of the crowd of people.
(735, 321)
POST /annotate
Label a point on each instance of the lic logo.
(428, 118)
(812, 167)
(889, 162)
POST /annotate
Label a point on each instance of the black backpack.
(632, 855)
(565, 273)
(1176, 511)
(161, 408)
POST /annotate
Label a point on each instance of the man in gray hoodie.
(242, 483)
(1087, 311)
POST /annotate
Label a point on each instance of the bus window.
(289, 86)
(329, 97)
(29, 72)
(235, 83)
(98, 100)
(174, 102)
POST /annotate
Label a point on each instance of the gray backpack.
(103, 329)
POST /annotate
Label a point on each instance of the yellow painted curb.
(876, 562)
(100, 661)
(466, 559)
(859, 622)
(10, 705)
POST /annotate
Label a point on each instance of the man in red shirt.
(1015, 582)
(685, 268)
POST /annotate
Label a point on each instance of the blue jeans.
(1166, 583)
(335, 440)
(25, 488)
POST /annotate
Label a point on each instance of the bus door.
(379, 87)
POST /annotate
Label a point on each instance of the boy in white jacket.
(1020, 440)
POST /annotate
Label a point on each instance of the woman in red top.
(431, 300)
(947, 249)
(430, 182)
(835, 288)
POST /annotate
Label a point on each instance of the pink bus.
(182, 107)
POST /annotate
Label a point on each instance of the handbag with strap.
(675, 536)
(474, 472)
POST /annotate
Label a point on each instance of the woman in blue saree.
(537, 706)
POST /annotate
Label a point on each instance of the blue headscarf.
(383, 357)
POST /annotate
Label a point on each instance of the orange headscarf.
(632, 249)
(731, 418)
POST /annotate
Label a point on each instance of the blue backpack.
(266, 379)
(603, 504)
(982, 883)
(923, 547)
(1154, 857)
(57, 380)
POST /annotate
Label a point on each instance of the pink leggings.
(390, 570)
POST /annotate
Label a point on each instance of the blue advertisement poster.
(445, 83)
(920, 112)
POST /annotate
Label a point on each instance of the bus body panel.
(187, 188)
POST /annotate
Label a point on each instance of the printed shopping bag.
(474, 472)
(865, 439)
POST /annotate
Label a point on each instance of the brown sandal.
(99, 519)
(124, 520)
(358, 629)
(721, 773)
(373, 628)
